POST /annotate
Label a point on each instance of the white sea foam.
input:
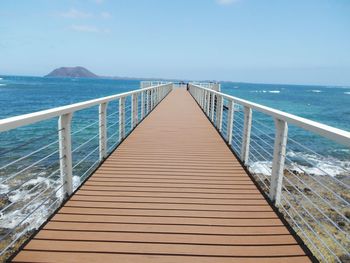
(262, 167)
(76, 182)
(1, 78)
(2, 84)
(316, 91)
(347, 93)
(306, 163)
(23, 194)
(265, 91)
(4, 188)
(342, 150)
(318, 165)
(29, 200)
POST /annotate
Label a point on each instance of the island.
(71, 72)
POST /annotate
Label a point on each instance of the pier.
(173, 189)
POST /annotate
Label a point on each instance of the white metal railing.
(315, 202)
(37, 174)
(151, 83)
(209, 85)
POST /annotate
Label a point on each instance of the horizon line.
(181, 79)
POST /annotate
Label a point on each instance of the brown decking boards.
(171, 192)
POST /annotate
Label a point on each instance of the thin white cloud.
(106, 15)
(90, 29)
(226, 2)
(85, 28)
(75, 14)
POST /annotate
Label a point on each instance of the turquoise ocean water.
(326, 104)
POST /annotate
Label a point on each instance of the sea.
(22, 94)
(326, 104)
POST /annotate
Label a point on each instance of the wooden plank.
(171, 189)
(166, 238)
(51, 256)
(181, 185)
(181, 206)
(168, 228)
(166, 220)
(173, 213)
(168, 200)
(172, 192)
(214, 196)
(154, 248)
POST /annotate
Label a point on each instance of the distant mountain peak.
(71, 72)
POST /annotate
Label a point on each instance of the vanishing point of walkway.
(171, 192)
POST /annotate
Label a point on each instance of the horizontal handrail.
(330, 132)
(30, 118)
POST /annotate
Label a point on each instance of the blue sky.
(268, 41)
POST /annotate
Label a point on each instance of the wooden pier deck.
(172, 192)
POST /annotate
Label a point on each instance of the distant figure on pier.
(187, 86)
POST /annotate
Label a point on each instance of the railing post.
(155, 96)
(202, 98)
(230, 118)
(212, 107)
(137, 108)
(152, 99)
(103, 130)
(219, 106)
(142, 104)
(158, 95)
(208, 103)
(134, 110)
(121, 118)
(279, 155)
(147, 102)
(246, 134)
(65, 152)
(161, 91)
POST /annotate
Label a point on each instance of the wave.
(2, 85)
(315, 91)
(265, 91)
(261, 167)
(23, 201)
(348, 92)
(318, 165)
(305, 163)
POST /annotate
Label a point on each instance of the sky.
(263, 41)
